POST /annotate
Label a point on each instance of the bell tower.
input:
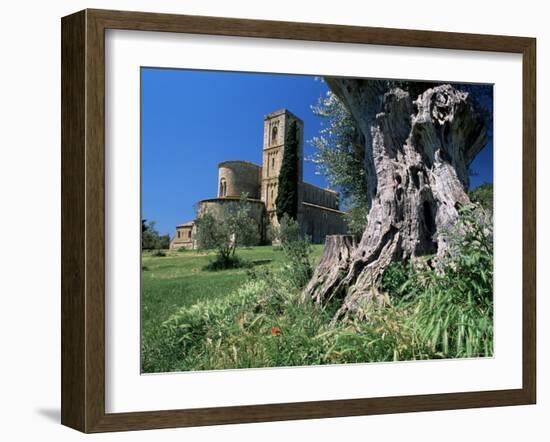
(276, 125)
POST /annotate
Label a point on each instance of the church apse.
(238, 177)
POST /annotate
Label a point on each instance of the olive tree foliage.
(151, 239)
(287, 231)
(340, 157)
(483, 195)
(233, 228)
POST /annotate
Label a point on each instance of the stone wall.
(317, 222)
(238, 177)
(319, 196)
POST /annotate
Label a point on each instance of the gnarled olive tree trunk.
(417, 153)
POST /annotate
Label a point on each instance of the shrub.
(397, 279)
(288, 230)
(483, 195)
(222, 262)
(158, 253)
(298, 269)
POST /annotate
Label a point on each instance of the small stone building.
(318, 208)
(184, 236)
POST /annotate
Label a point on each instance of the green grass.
(199, 320)
(179, 280)
(265, 323)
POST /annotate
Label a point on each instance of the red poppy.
(275, 331)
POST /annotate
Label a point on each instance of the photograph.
(295, 220)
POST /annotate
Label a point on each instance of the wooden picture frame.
(83, 210)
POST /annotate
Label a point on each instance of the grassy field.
(193, 319)
(178, 280)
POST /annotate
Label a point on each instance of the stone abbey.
(318, 208)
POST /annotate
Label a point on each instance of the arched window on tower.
(223, 188)
(274, 134)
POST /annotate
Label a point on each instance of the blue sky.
(192, 120)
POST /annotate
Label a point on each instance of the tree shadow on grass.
(217, 264)
(261, 262)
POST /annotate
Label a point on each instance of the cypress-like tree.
(287, 195)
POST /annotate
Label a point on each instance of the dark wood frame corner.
(83, 217)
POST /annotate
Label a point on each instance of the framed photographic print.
(267, 221)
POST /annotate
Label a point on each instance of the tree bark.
(336, 258)
(417, 154)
